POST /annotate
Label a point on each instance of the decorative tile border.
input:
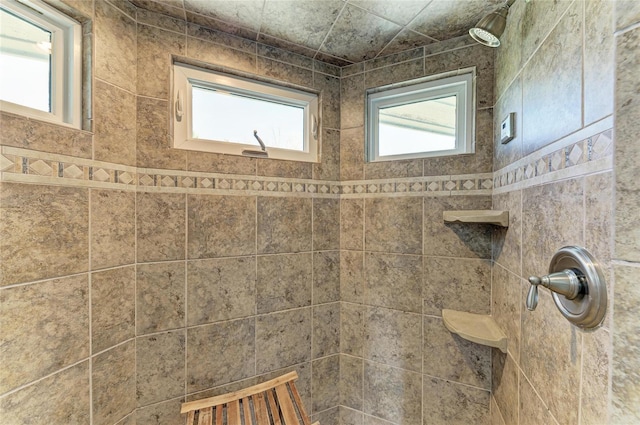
(572, 156)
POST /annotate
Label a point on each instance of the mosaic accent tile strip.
(574, 158)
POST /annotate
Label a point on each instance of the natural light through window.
(421, 119)
(223, 113)
(40, 62)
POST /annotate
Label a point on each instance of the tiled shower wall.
(555, 70)
(626, 256)
(401, 265)
(135, 276)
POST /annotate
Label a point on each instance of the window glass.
(25, 62)
(421, 119)
(224, 113)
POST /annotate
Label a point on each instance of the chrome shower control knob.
(577, 286)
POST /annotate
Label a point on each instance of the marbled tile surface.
(596, 359)
(167, 412)
(329, 167)
(326, 224)
(506, 305)
(284, 225)
(325, 375)
(221, 226)
(351, 276)
(504, 386)
(155, 48)
(160, 367)
(115, 46)
(283, 339)
(352, 318)
(447, 356)
(326, 330)
(506, 243)
(112, 228)
(112, 307)
(392, 394)
(393, 225)
(393, 281)
(152, 136)
(220, 289)
(114, 384)
(446, 403)
(44, 232)
(215, 356)
(446, 278)
(351, 223)
(160, 297)
(351, 370)
(283, 282)
(60, 398)
(160, 224)
(326, 277)
(598, 65)
(34, 327)
(115, 138)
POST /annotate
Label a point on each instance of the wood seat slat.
(246, 408)
(286, 406)
(219, 415)
(262, 415)
(298, 401)
(275, 411)
(206, 416)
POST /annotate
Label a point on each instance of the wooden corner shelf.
(498, 218)
(478, 328)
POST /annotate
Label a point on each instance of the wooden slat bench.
(275, 402)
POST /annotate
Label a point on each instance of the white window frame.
(185, 76)
(461, 85)
(66, 62)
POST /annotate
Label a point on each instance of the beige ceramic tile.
(392, 394)
(626, 346)
(537, 22)
(352, 276)
(553, 369)
(598, 60)
(326, 330)
(510, 101)
(160, 226)
(326, 277)
(532, 410)
(352, 153)
(220, 289)
(329, 166)
(496, 416)
(450, 357)
(552, 218)
(36, 335)
(113, 295)
(60, 398)
(158, 17)
(283, 282)
(284, 225)
(283, 55)
(155, 48)
(504, 386)
(221, 37)
(352, 101)
(153, 145)
(393, 169)
(285, 169)
(507, 63)
(326, 224)
(507, 242)
(559, 56)
(221, 226)
(330, 416)
(351, 369)
(112, 228)
(506, 303)
(279, 71)
(167, 412)
(447, 403)
(350, 416)
(627, 13)
(217, 54)
(352, 317)
(329, 87)
(114, 384)
(393, 338)
(26, 133)
(351, 224)
(393, 225)
(283, 339)
(446, 278)
(220, 353)
(456, 240)
(160, 298)
(115, 46)
(218, 163)
(115, 130)
(627, 152)
(160, 364)
(45, 232)
(325, 375)
(595, 378)
(393, 281)
(395, 73)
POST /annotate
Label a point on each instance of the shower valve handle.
(566, 282)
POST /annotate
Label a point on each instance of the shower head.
(491, 27)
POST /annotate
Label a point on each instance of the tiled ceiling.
(335, 31)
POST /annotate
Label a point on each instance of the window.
(424, 119)
(40, 62)
(216, 112)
